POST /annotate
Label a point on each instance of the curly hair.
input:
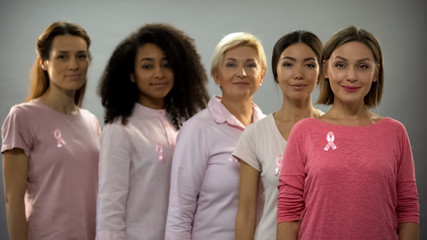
(188, 94)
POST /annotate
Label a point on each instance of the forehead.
(68, 43)
(241, 52)
(298, 49)
(149, 50)
(353, 49)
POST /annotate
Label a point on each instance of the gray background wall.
(400, 26)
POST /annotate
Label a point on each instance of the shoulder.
(264, 124)
(307, 123)
(28, 108)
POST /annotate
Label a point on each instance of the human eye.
(252, 65)
(146, 66)
(230, 64)
(61, 56)
(311, 65)
(363, 66)
(82, 56)
(340, 65)
(287, 64)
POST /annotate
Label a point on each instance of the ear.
(262, 76)
(132, 77)
(377, 73)
(215, 75)
(43, 64)
(325, 69)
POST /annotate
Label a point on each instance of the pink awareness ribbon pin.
(330, 138)
(159, 150)
(279, 162)
(58, 136)
(232, 159)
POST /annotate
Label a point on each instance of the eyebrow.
(293, 59)
(151, 59)
(247, 60)
(360, 60)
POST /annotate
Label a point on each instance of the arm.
(189, 165)
(15, 168)
(408, 231)
(248, 190)
(114, 167)
(288, 230)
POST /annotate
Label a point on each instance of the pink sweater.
(348, 182)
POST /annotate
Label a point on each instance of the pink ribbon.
(58, 136)
(159, 150)
(232, 159)
(279, 162)
(330, 138)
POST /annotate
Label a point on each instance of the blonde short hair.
(234, 40)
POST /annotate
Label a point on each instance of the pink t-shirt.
(348, 182)
(205, 177)
(62, 180)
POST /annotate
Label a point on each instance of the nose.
(352, 75)
(298, 74)
(73, 64)
(158, 72)
(242, 72)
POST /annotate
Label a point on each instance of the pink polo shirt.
(348, 182)
(62, 183)
(205, 177)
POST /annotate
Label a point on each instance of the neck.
(242, 110)
(295, 110)
(62, 102)
(354, 114)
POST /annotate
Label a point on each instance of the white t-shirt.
(261, 146)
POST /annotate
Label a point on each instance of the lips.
(351, 88)
(74, 76)
(298, 86)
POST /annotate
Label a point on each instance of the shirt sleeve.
(114, 171)
(17, 131)
(291, 181)
(188, 169)
(246, 148)
(407, 209)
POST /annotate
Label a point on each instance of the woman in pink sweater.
(350, 173)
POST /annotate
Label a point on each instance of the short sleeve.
(246, 148)
(16, 131)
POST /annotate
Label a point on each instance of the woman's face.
(351, 69)
(297, 72)
(240, 74)
(153, 75)
(68, 63)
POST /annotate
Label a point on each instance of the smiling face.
(153, 76)
(351, 70)
(240, 73)
(297, 72)
(67, 64)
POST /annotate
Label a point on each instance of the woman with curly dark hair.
(153, 82)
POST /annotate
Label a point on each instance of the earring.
(260, 84)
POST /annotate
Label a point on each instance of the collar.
(220, 113)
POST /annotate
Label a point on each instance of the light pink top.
(134, 171)
(62, 180)
(205, 177)
(348, 182)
